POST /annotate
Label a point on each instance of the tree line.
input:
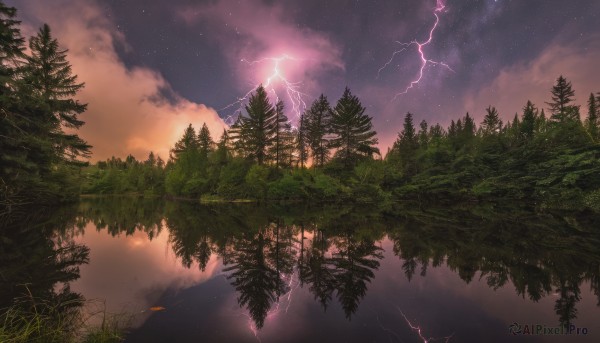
(332, 155)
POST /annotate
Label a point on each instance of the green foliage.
(288, 187)
(233, 175)
(256, 181)
(329, 188)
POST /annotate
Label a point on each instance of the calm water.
(232, 273)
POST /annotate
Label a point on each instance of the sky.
(151, 67)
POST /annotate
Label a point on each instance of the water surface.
(233, 273)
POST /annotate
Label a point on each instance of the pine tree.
(16, 168)
(423, 135)
(529, 118)
(405, 146)
(318, 126)
(282, 128)
(302, 141)
(492, 124)
(353, 130)
(187, 143)
(222, 152)
(259, 127)
(237, 141)
(205, 142)
(592, 119)
(562, 96)
(49, 78)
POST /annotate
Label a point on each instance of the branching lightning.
(440, 7)
(418, 330)
(287, 297)
(276, 78)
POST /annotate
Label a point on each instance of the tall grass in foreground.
(32, 320)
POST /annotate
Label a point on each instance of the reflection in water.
(36, 267)
(334, 253)
(540, 255)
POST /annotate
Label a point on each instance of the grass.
(32, 320)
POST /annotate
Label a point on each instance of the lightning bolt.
(440, 7)
(276, 309)
(270, 82)
(418, 330)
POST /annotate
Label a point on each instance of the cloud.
(513, 86)
(251, 34)
(127, 112)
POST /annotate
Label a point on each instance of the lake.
(185, 272)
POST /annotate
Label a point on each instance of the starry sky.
(151, 67)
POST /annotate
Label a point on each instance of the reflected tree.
(354, 264)
(254, 273)
(36, 267)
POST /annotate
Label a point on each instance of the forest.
(548, 158)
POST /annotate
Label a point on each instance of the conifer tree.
(205, 142)
(405, 146)
(318, 119)
(222, 152)
(423, 135)
(281, 130)
(187, 143)
(528, 123)
(49, 78)
(562, 96)
(302, 142)
(592, 119)
(492, 124)
(259, 127)
(16, 168)
(353, 130)
(237, 141)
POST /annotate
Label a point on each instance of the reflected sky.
(133, 273)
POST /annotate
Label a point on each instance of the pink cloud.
(126, 113)
(264, 46)
(510, 90)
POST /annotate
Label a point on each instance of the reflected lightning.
(440, 7)
(275, 78)
(418, 330)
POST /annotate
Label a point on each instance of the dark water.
(233, 273)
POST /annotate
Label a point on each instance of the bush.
(288, 187)
(231, 183)
(256, 181)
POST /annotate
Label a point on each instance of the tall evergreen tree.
(592, 119)
(492, 124)
(16, 169)
(187, 143)
(353, 130)
(423, 135)
(562, 96)
(237, 140)
(405, 146)
(281, 134)
(222, 152)
(318, 126)
(529, 118)
(205, 142)
(258, 128)
(302, 141)
(49, 78)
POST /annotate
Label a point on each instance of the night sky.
(151, 67)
